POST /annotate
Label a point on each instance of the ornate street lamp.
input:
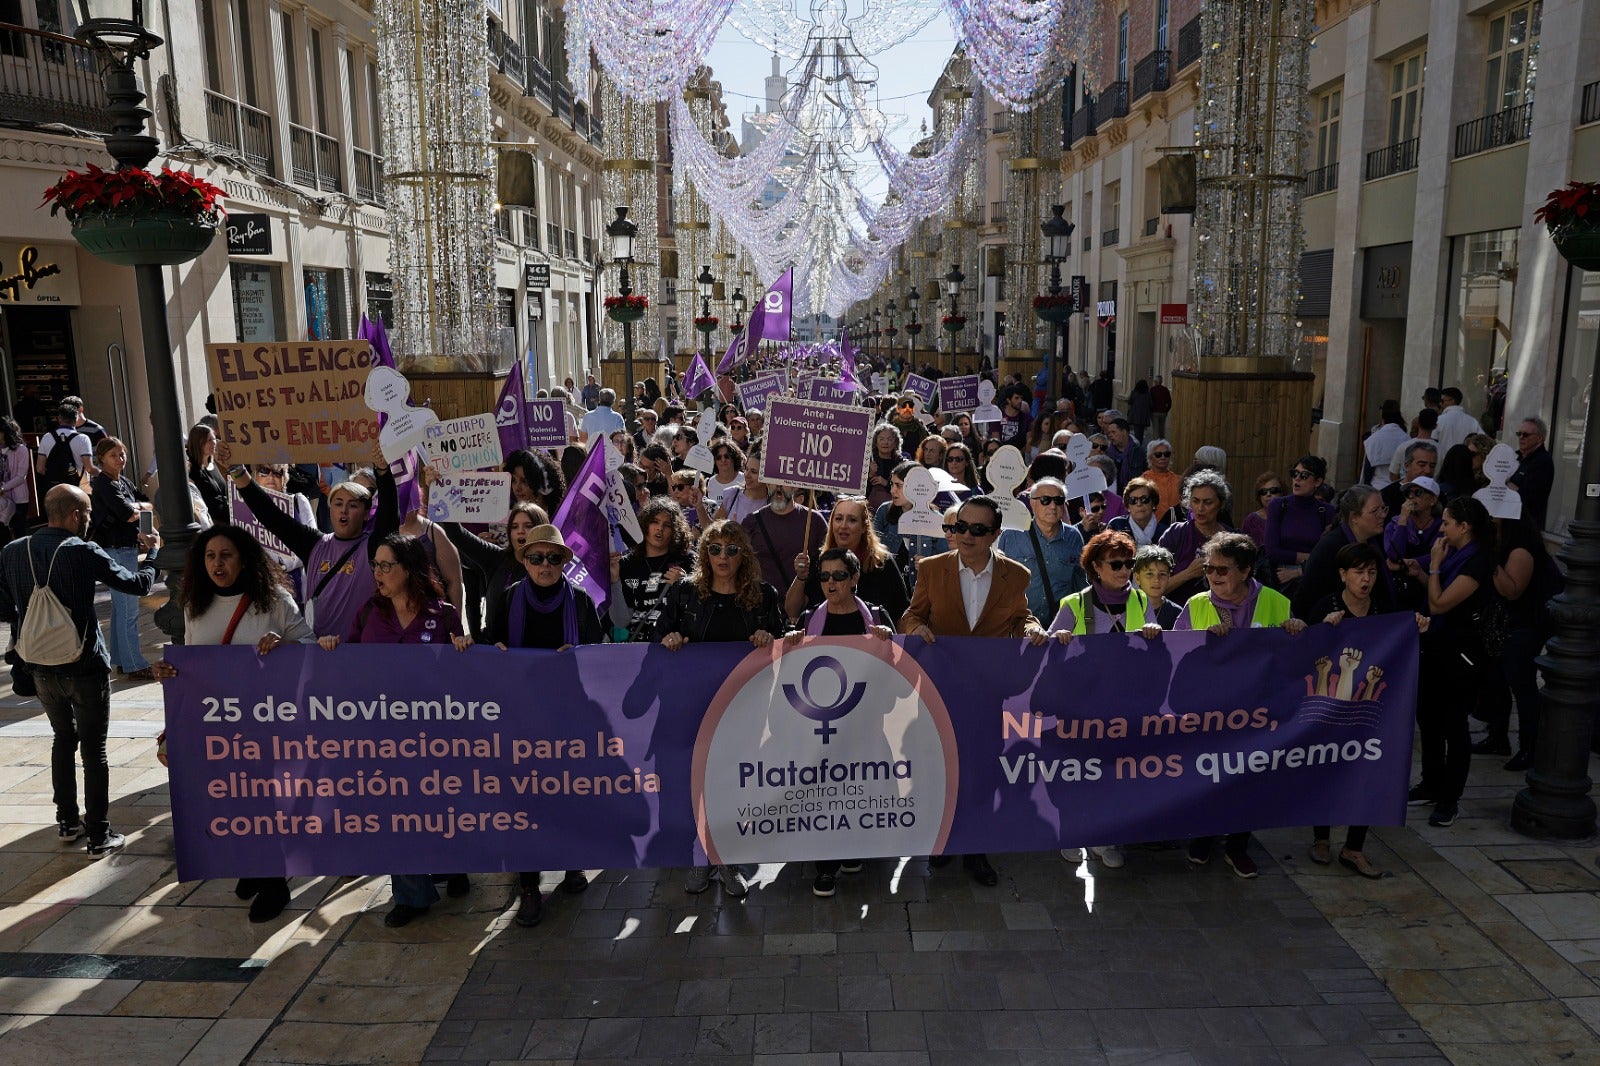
(738, 301)
(913, 327)
(706, 323)
(117, 31)
(954, 321)
(622, 234)
(1052, 308)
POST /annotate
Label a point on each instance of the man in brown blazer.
(972, 591)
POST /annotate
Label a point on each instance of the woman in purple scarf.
(545, 610)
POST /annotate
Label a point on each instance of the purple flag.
(698, 378)
(847, 367)
(775, 307)
(509, 417)
(583, 526)
(739, 350)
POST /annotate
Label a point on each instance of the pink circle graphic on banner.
(835, 748)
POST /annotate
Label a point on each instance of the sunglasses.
(1210, 568)
(1161, 455)
(544, 559)
(1412, 494)
(1097, 508)
(1301, 475)
(267, 471)
(834, 575)
(1138, 501)
(717, 551)
(1524, 433)
(1117, 565)
(956, 459)
(386, 566)
(907, 406)
(1050, 501)
(1275, 491)
(1097, 447)
(964, 529)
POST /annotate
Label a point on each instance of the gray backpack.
(49, 636)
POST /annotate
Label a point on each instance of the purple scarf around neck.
(819, 618)
(1455, 561)
(524, 600)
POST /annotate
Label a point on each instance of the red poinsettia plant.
(633, 302)
(706, 323)
(953, 321)
(913, 328)
(1060, 301)
(132, 190)
(1576, 205)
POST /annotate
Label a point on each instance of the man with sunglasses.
(904, 418)
(1050, 548)
(1536, 471)
(972, 591)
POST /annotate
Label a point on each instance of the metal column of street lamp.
(1058, 248)
(622, 234)
(889, 329)
(738, 301)
(877, 331)
(117, 31)
(708, 284)
(952, 288)
(913, 302)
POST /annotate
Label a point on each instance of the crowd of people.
(728, 557)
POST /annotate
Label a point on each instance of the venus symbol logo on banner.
(773, 302)
(802, 699)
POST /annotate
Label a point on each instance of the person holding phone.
(119, 509)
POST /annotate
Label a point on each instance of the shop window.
(256, 303)
(1483, 293)
(1570, 411)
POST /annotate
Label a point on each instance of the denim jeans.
(125, 652)
(79, 709)
(1521, 673)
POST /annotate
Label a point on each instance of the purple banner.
(407, 759)
(776, 307)
(697, 378)
(816, 446)
(753, 393)
(511, 414)
(821, 390)
(583, 525)
(957, 394)
(545, 423)
(920, 387)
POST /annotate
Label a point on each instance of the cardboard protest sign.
(404, 427)
(477, 497)
(819, 389)
(293, 403)
(923, 518)
(986, 411)
(245, 519)
(464, 444)
(699, 456)
(920, 387)
(1007, 470)
(753, 393)
(1498, 466)
(546, 423)
(816, 446)
(958, 394)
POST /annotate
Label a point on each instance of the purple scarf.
(819, 618)
(525, 600)
(1455, 561)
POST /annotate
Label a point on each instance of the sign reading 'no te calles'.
(816, 446)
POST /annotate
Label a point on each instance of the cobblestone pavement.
(1484, 949)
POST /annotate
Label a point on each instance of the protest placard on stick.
(298, 402)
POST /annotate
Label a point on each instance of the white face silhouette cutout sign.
(1498, 466)
(1007, 470)
(921, 519)
(389, 393)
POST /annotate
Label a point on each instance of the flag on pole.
(583, 525)
(848, 381)
(775, 308)
(739, 350)
(698, 377)
(509, 417)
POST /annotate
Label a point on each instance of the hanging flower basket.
(736, 329)
(1057, 308)
(913, 328)
(626, 308)
(707, 323)
(1572, 215)
(133, 217)
(890, 332)
(953, 323)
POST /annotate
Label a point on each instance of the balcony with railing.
(571, 244)
(369, 178)
(1112, 102)
(314, 159)
(588, 249)
(552, 238)
(1322, 179)
(1083, 123)
(45, 77)
(1392, 159)
(562, 101)
(244, 130)
(1494, 131)
(1189, 42)
(597, 131)
(997, 212)
(1152, 74)
(1591, 103)
(1110, 237)
(536, 80)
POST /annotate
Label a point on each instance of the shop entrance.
(39, 364)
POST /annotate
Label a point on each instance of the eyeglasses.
(1138, 501)
(964, 529)
(1301, 475)
(717, 551)
(907, 405)
(386, 566)
(1050, 501)
(834, 575)
(1413, 493)
(1161, 455)
(267, 471)
(1097, 508)
(1117, 565)
(956, 459)
(1097, 447)
(1209, 568)
(1524, 433)
(544, 559)
(1273, 490)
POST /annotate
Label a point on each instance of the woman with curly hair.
(1206, 496)
(959, 464)
(724, 601)
(536, 478)
(233, 592)
(640, 579)
(879, 580)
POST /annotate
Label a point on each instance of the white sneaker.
(733, 881)
(1111, 855)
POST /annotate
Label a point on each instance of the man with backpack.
(47, 587)
(65, 454)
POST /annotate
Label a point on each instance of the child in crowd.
(1152, 567)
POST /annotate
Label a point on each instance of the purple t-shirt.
(376, 623)
(336, 605)
(787, 534)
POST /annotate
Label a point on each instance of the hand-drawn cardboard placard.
(298, 402)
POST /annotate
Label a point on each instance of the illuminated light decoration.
(628, 178)
(774, 26)
(1250, 141)
(1033, 181)
(1021, 48)
(439, 173)
(648, 48)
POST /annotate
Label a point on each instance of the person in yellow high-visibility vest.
(1233, 600)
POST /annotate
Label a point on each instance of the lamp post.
(1058, 246)
(952, 288)
(535, 316)
(118, 32)
(913, 327)
(877, 331)
(738, 301)
(708, 284)
(622, 234)
(889, 330)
